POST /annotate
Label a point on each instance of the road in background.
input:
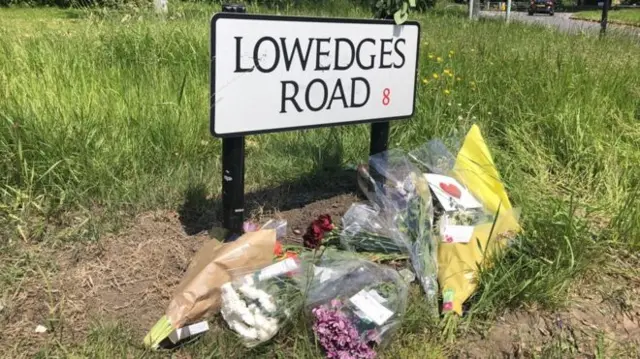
(563, 22)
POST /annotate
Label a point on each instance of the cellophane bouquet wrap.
(198, 296)
(487, 226)
(257, 305)
(356, 305)
(403, 192)
(366, 228)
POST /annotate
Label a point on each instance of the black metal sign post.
(605, 15)
(233, 170)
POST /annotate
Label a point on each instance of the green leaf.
(405, 8)
(412, 3)
(400, 16)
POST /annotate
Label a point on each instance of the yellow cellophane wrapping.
(458, 262)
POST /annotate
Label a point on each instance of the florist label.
(372, 309)
(274, 73)
(277, 269)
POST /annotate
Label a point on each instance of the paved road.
(563, 22)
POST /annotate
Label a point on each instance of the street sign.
(278, 73)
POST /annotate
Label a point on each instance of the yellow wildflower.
(435, 76)
(458, 78)
(431, 56)
(473, 83)
(451, 52)
(425, 81)
(447, 92)
(439, 59)
(446, 71)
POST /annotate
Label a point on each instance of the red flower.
(291, 254)
(324, 222)
(277, 250)
(313, 237)
(447, 306)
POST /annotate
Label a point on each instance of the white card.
(377, 296)
(463, 197)
(185, 332)
(457, 234)
(371, 308)
(277, 269)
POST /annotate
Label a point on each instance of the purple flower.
(338, 336)
(249, 226)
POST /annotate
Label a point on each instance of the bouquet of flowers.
(401, 190)
(372, 242)
(257, 305)
(474, 212)
(356, 306)
(197, 297)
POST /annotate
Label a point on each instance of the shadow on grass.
(327, 178)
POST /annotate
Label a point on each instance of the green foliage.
(105, 116)
(396, 9)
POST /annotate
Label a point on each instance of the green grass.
(621, 16)
(105, 114)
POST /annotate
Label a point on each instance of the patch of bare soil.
(602, 319)
(128, 277)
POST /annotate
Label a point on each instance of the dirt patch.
(605, 321)
(128, 277)
(298, 219)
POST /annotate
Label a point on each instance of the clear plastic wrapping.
(257, 305)
(365, 228)
(402, 191)
(356, 305)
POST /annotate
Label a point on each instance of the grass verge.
(629, 17)
(104, 114)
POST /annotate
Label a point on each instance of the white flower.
(248, 280)
(249, 291)
(247, 332)
(263, 335)
(267, 303)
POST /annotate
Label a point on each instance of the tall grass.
(109, 112)
(112, 111)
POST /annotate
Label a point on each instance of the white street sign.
(274, 73)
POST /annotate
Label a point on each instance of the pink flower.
(447, 306)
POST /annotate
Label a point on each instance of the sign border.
(212, 62)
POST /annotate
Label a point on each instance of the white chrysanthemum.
(249, 291)
(266, 301)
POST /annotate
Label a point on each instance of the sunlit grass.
(106, 112)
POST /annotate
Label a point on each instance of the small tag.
(457, 234)
(451, 193)
(375, 311)
(190, 330)
(377, 296)
(277, 269)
